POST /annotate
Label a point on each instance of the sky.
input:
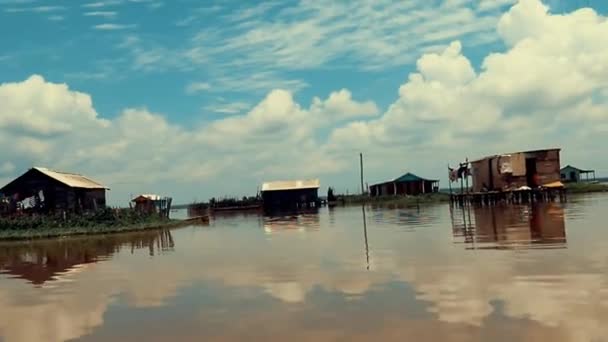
(196, 99)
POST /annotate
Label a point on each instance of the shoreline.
(408, 201)
(586, 188)
(56, 233)
(444, 197)
(342, 201)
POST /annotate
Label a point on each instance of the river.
(518, 273)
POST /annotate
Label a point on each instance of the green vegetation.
(389, 201)
(226, 202)
(583, 187)
(102, 222)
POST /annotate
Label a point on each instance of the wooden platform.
(509, 197)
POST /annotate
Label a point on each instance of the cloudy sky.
(196, 99)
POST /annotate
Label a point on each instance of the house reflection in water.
(540, 225)
(302, 221)
(40, 262)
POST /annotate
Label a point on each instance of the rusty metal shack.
(42, 190)
(518, 170)
(408, 184)
(290, 195)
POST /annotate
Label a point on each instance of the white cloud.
(56, 18)
(105, 14)
(340, 106)
(489, 5)
(40, 108)
(363, 35)
(196, 87)
(533, 95)
(375, 35)
(262, 81)
(49, 124)
(100, 4)
(228, 108)
(13, 2)
(36, 9)
(113, 27)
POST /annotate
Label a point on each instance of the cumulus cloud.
(39, 108)
(52, 125)
(533, 95)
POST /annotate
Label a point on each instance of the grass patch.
(583, 187)
(101, 222)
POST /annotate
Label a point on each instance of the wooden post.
(449, 180)
(461, 185)
(361, 167)
(466, 174)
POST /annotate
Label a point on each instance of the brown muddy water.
(526, 273)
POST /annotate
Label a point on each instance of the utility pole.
(361, 164)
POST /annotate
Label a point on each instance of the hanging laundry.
(463, 171)
(452, 174)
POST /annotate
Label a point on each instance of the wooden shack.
(573, 174)
(43, 190)
(290, 195)
(407, 184)
(513, 171)
(150, 204)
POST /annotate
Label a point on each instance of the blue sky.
(193, 69)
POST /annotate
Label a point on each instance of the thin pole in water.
(365, 236)
(361, 167)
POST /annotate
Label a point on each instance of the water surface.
(524, 273)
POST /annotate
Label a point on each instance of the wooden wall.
(486, 171)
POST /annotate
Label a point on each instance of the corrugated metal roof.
(291, 185)
(575, 168)
(408, 177)
(71, 179)
(508, 154)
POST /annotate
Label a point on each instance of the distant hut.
(43, 190)
(152, 204)
(516, 170)
(407, 184)
(574, 174)
(289, 195)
